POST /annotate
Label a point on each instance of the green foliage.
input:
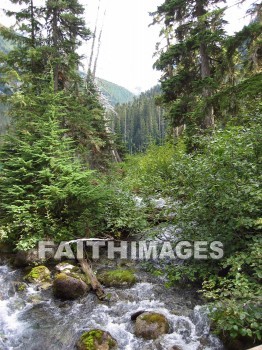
(194, 34)
(151, 172)
(236, 298)
(45, 192)
(122, 215)
(5, 46)
(218, 195)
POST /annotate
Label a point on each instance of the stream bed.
(34, 320)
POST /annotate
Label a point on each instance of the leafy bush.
(218, 188)
(151, 172)
(122, 214)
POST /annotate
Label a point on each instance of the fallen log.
(87, 269)
(96, 285)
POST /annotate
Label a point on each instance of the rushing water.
(34, 320)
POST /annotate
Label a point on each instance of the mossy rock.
(69, 288)
(39, 275)
(117, 278)
(20, 286)
(150, 325)
(96, 339)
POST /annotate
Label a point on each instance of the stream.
(34, 320)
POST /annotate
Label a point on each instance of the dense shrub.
(218, 188)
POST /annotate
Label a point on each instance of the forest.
(82, 159)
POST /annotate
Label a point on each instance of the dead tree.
(87, 268)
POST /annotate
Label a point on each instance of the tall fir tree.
(46, 41)
(189, 61)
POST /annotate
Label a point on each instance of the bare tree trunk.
(87, 269)
(179, 130)
(93, 43)
(32, 23)
(98, 48)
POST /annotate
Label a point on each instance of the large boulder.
(40, 275)
(150, 325)
(96, 339)
(117, 278)
(68, 287)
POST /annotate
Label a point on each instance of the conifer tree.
(190, 59)
(44, 189)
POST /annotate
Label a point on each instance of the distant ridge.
(116, 94)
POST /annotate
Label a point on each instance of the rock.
(96, 339)
(20, 286)
(183, 327)
(117, 278)
(66, 268)
(135, 315)
(26, 258)
(39, 275)
(176, 347)
(150, 325)
(68, 288)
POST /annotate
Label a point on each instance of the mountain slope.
(114, 93)
(140, 122)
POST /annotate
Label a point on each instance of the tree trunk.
(93, 44)
(32, 19)
(208, 121)
(96, 286)
(55, 42)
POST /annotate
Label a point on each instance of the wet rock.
(117, 278)
(20, 286)
(135, 315)
(68, 288)
(39, 275)
(96, 339)
(183, 327)
(65, 267)
(176, 347)
(150, 325)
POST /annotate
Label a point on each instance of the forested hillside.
(5, 45)
(140, 122)
(113, 92)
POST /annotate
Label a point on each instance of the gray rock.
(150, 325)
(68, 288)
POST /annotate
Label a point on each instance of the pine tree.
(44, 190)
(190, 59)
(46, 40)
(65, 26)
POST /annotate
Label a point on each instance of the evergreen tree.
(65, 26)
(46, 40)
(44, 190)
(195, 35)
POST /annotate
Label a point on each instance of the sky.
(128, 43)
